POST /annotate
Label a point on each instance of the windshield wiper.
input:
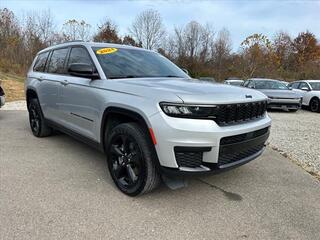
(172, 76)
(124, 76)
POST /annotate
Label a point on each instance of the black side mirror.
(83, 70)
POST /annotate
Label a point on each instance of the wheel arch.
(314, 97)
(113, 116)
(30, 94)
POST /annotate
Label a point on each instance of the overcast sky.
(241, 18)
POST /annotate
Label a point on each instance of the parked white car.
(310, 92)
(234, 82)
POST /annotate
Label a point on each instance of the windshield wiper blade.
(172, 76)
(124, 76)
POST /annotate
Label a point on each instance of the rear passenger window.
(56, 64)
(79, 55)
(41, 62)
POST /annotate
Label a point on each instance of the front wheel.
(132, 159)
(315, 105)
(37, 123)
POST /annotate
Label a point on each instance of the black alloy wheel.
(35, 119)
(315, 105)
(126, 160)
(37, 122)
(132, 159)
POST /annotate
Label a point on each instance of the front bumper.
(284, 104)
(2, 101)
(204, 134)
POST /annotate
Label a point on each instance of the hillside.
(13, 86)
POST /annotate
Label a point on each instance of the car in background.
(2, 96)
(310, 92)
(284, 82)
(234, 82)
(208, 79)
(279, 95)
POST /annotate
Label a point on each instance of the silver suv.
(150, 118)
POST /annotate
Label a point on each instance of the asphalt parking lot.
(58, 188)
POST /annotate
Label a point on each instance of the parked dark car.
(279, 95)
(2, 96)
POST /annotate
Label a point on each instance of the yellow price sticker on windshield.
(106, 50)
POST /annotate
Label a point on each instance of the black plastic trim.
(192, 149)
(75, 135)
(214, 169)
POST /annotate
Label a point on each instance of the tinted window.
(251, 84)
(295, 85)
(303, 85)
(79, 55)
(41, 62)
(270, 85)
(315, 86)
(246, 83)
(132, 63)
(57, 61)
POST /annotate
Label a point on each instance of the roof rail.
(73, 41)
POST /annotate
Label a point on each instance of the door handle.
(64, 82)
(40, 79)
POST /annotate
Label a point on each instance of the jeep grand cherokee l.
(148, 116)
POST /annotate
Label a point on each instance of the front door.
(79, 103)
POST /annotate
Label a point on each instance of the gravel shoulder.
(297, 136)
(15, 105)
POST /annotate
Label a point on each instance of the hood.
(197, 91)
(274, 93)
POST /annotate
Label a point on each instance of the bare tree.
(220, 52)
(148, 29)
(46, 26)
(76, 30)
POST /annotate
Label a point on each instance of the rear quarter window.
(41, 62)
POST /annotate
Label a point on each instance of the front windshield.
(133, 63)
(270, 85)
(315, 86)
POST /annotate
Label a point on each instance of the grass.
(13, 86)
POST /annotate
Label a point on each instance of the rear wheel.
(132, 159)
(37, 123)
(315, 105)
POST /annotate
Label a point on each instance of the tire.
(315, 105)
(132, 160)
(294, 110)
(37, 122)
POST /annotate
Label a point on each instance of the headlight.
(187, 111)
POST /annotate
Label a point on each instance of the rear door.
(38, 74)
(80, 106)
(51, 84)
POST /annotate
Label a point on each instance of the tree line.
(199, 48)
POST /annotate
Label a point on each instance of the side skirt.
(75, 135)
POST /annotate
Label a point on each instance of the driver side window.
(79, 55)
(304, 85)
(251, 84)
